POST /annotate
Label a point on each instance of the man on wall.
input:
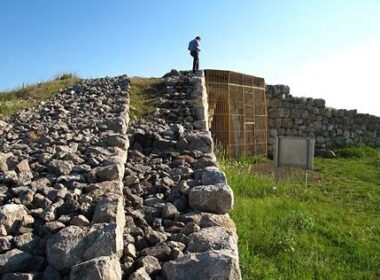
(194, 52)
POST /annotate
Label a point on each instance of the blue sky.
(322, 48)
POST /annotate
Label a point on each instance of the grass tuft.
(66, 76)
(143, 96)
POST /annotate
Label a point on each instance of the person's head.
(198, 38)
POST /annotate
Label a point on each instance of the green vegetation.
(28, 96)
(142, 96)
(356, 152)
(329, 230)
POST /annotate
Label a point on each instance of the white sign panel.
(293, 151)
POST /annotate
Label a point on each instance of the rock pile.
(61, 171)
(176, 199)
(72, 206)
(308, 117)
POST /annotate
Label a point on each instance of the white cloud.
(347, 80)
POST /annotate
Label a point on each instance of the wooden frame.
(238, 113)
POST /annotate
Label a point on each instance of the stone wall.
(177, 199)
(61, 171)
(308, 117)
(74, 206)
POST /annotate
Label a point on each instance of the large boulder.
(216, 199)
(221, 265)
(102, 268)
(12, 216)
(73, 245)
(212, 238)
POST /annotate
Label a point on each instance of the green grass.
(142, 96)
(329, 230)
(355, 152)
(28, 96)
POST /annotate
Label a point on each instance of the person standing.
(194, 52)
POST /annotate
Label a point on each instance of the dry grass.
(28, 96)
(143, 96)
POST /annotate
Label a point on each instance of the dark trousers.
(195, 56)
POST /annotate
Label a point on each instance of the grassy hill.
(141, 95)
(28, 96)
(328, 230)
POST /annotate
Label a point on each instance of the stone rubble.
(73, 205)
(61, 170)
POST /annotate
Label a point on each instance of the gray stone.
(153, 237)
(106, 173)
(5, 243)
(213, 176)
(12, 216)
(18, 261)
(117, 140)
(140, 274)
(102, 268)
(212, 238)
(51, 273)
(190, 228)
(212, 198)
(212, 220)
(27, 242)
(161, 252)
(170, 211)
(221, 265)
(60, 167)
(73, 245)
(117, 125)
(110, 210)
(150, 264)
(25, 175)
(79, 220)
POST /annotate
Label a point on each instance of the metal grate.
(238, 112)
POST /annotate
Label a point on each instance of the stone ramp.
(72, 206)
(61, 170)
(176, 199)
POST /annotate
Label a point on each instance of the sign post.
(295, 151)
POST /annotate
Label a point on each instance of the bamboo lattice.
(238, 112)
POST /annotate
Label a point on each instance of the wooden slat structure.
(238, 112)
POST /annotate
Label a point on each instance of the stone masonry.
(74, 206)
(308, 117)
(175, 196)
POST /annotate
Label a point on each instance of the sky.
(321, 48)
